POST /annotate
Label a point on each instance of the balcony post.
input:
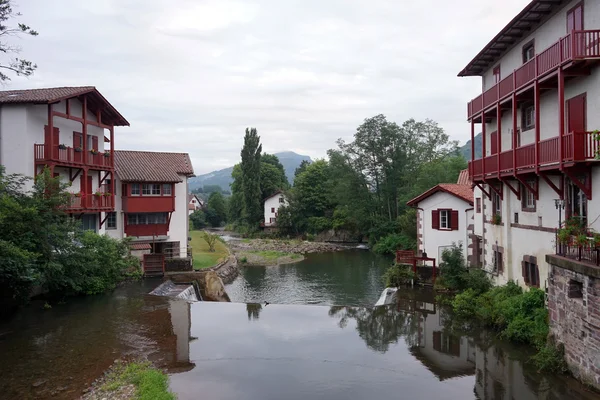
(514, 132)
(483, 145)
(536, 107)
(499, 134)
(561, 117)
(50, 136)
(86, 157)
(472, 148)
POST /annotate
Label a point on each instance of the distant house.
(151, 201)
(444, 216)
(194, 203)
(272, 204)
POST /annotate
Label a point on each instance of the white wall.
(119, 232)
(179, 228)
(273, 202)
(434, 241)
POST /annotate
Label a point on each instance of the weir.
(388, 296)
(170, 289)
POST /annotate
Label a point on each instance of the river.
(341, 347)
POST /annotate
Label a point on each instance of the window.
(281, 200)
(444, 219)
(528, 51)
(478, 205)
(576, 200)
(528, 197)
(88, 222)
(155, 189)
(146, 218)
(531, 274)
(271, 220)
(146, 189)
(272, 209)
(497, 260)
(135, 189)
(516, 217)
(167, 190)
(496, 204)
(528, 117)
(575, 18)
(111, 220)
(496, 73)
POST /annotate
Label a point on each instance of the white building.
(151, 201)
(444, 217)
(194, 203)
(272, 204)
(70, 130)
(540, 100)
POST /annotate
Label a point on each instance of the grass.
(273, 255)
(150, 383)
(203, 258)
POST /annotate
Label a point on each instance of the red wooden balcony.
(147, 230)
(576, 46)
(577, 147)
(82, 202)
(146, 204)
(70, 156)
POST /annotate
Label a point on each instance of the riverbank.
(128, 381)
(267, 252)
(201, 254)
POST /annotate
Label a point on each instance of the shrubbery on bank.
(41, 246)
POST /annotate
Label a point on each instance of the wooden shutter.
(435, 219)
(537, 276)
(524, 271)
(494, 142)
(454, 220)
(95, 143)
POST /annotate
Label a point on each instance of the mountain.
(465, 150)
(222, 177)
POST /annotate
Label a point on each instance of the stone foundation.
(178, 264)
(574, 312)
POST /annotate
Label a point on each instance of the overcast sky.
(190, 75)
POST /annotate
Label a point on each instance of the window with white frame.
(496, 204)
(135, 189)
(111, 220)
(281, 200)
(155, 189)
(167, 190)
(528, 197)
(445, 219)
(528, 117)
(146, 189)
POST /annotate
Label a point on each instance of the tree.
(251, 157)
(198, 220)
(301, 168)
(236, 201)
(216, 209)
(19, 66)
(312, 198)
(210, 239)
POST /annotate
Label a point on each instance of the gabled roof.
(150, 166)
(54, 95)
(533, 15)
(463, 178)
(274, 194)
(192, 196)
(463, 192)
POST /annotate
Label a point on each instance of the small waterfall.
(170, 289)
(388, 296)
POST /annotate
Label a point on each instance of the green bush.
(398, 275)
(319, 224)
(465, 304)
(392, 242)
(456, 275)
(198, 219)
(550, 358)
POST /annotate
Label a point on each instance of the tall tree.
(218, 209)
(236, 202)
(272, 176)
(301, 168)
(251, 155)
(19, 66)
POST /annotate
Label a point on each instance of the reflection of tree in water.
(253, 310)
(379, 326)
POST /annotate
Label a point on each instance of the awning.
(140, 246)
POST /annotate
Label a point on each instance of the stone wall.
(178, 264)
(574, 311)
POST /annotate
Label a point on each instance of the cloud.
(191, 75)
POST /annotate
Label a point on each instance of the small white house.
(444, 218)
(194, 203)
(272, 204)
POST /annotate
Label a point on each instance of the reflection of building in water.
(180, 319)
(446, 356)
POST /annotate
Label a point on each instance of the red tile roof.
(463, 177)
(53, 95)
(149, 166)
(463, 192)
(140, 246)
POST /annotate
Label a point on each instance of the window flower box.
(496, 219)
(106, 154)
(94, 151)
(62, 146)
(78, 149)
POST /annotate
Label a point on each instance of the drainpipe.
(467, 231)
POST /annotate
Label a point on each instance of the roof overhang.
(97, 102)
(532, 16)
(436, 189)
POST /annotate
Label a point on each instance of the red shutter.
(524, 271)
(435, 219)
(95, 143)
(537, 276)
(454, 220)
(494, 142)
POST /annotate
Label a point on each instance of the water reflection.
(253, 310)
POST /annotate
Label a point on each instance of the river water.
(341, 347)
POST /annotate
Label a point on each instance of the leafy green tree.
(301, 168)
(19, 66)
(198, 220)
(236, 201)
(312, 195)
(210, 239)
(217, 209)
(251, 157)
(272, 176)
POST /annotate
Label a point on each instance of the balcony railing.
(589, 253)
(577, 45)
(577, 147)
(71, 156)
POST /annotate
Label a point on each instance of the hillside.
(222, 177)
(465, 150)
